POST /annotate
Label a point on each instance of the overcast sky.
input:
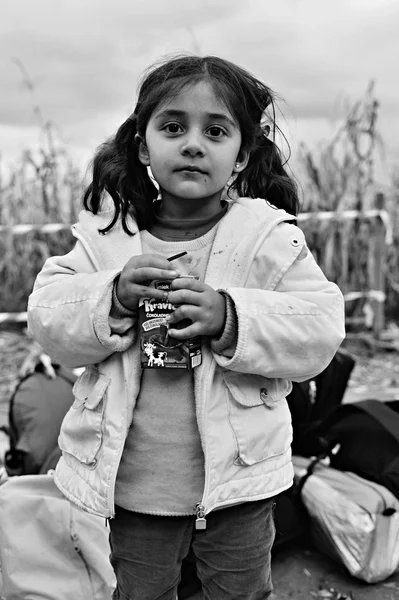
(85, 58)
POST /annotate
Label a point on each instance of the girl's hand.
(200, 303)
(137, 273)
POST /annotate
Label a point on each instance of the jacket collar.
(240, 233)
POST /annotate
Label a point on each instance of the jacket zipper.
(200, 508)
(200, 521)
(111, 491)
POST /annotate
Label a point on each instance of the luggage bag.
(49, 548)
(353, 520)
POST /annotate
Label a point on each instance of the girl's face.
(192, 144)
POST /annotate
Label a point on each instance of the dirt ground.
(299, 571)
(302, 573)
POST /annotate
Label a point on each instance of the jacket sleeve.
(69, 311)
(291, 332)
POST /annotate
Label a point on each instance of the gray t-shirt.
(162, 466)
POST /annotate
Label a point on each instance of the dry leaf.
(307, 573)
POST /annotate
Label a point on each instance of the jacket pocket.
(81, 432)
(259, 416)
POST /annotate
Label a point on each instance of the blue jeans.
(233, 554)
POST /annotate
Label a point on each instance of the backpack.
(36, 410)
(311, 401)
(362, 437)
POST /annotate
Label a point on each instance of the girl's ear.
(241, 161)
(142, 150)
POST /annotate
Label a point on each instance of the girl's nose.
(192, 144)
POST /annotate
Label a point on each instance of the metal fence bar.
(378, 296)
(23, 228)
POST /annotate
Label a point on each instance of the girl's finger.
(148, 292)
(188, 332)
(187, 283)
(141, 274)
(179, 297)
(183, 312)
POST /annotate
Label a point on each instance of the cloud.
(85, 58)
(312, 52)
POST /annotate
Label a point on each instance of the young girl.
(185, 460)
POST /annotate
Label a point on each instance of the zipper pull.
(200, 521)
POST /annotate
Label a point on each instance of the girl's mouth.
(191, 169)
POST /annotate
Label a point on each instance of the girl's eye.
(216, 131)
(173, 128)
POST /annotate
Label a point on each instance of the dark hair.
(118, 170)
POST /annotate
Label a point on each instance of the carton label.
(158, 348)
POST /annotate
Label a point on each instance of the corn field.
(46, 187)
(41, 188)
(341, 178)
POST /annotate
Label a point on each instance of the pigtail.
(266, 177)
(118, 171)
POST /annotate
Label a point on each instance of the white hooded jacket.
(290, 324)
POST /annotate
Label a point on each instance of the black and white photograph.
(199, 300)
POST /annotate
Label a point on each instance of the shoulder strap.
(385, 416)
(12, 431)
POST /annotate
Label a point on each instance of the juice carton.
(158, 348)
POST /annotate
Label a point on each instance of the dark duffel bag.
(362, 437)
